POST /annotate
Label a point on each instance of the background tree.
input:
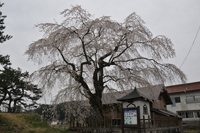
(16, 90)
(4, 60)
(45, 110)
(64, 111)
(88, 56)
(3, 37)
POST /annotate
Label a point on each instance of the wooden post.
(154, 120)
(110, 121)
(100, 122)
(122, 121)
(148, 121)
(96, 122)
(138, 119)
(104, 121)
(92, 122)
(144, 124)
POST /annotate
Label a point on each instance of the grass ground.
(27, 123)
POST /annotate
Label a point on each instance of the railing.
(91, 121)
(157, 121)
(192, 100)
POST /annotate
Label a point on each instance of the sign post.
(131, 118)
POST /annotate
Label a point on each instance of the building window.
(145, 110)
(192, 99)
(190, 114)
(183, 114)
(175, 100)
(198, 114)
(197, 98)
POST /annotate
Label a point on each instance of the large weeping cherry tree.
(88, 56)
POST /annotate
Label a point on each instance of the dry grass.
(26, 123)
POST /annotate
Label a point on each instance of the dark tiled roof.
(133, 95)
(109, 98)
(150, 93)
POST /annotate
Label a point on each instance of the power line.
(190, 49)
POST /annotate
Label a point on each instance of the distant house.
(54, 122)
(186, 101)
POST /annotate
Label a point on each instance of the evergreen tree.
(16, 91)
(3, 37)
(4, 60)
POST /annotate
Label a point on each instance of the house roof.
(166, 96)
(133, 95)
(150, 93)
(108, 98)
(195, 86)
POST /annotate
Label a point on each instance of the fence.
(114, 125)
(159, 121)
(91, 121)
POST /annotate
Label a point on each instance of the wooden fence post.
(104, 121)
(143, 122)
(154, 120)
(138, 119)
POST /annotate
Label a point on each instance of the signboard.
(130, 117)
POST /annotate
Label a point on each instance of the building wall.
(159, 104)
(140, 104)
(184, 104)
(188, 109)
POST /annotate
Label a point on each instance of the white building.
(54, 122)
(186, 101)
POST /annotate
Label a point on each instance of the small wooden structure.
(149, 105)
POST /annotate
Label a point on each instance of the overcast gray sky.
(179, 20)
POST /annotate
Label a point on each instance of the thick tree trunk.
(96, 99)
(3, 98)
(9, 107)
(14, 106)
(96, 104)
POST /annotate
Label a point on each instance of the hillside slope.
(25, 123)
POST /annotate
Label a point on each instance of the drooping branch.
(71, 64)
